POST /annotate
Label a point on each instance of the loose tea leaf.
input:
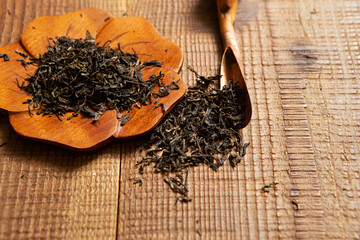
(79, 76)
(138, 181)
(203, 128)
(5, 57)
(268, 186)
(24, 55)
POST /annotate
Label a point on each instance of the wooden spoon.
(230, 68)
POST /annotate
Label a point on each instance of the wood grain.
(12, 73)
(37, 35)
(301, 66)
(305, 193)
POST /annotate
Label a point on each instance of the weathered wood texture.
(301, 62)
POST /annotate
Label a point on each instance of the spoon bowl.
(230, 69)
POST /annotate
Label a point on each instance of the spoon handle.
(226, 10)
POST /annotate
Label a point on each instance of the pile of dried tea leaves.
(79, 76)
(203, 128)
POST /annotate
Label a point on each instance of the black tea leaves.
(203, 128)
(79, 76)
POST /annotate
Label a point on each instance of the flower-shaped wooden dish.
(80, 133)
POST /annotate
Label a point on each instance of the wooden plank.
(47, 192)
(228, 204)
(332, 110)
(297, 125)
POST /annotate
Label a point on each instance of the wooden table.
(301, 64)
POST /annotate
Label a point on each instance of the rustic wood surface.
(301, 65)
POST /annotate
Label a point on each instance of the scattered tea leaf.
(266, 187)
(296, 205)
(203, 128)
(138, 181)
